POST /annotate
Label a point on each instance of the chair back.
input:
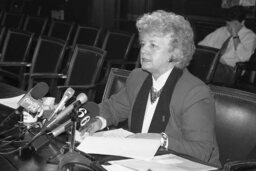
(245, 74)
(47, 57)
(116, 80)
(204, 63)
(2, 11)
(235, 123)
(35, 24)
(61, 29)
(85, 65)
(16, 46)
(86, 35)
(117, 44)
(12, 20)
(2, 36)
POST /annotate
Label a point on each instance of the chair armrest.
(239, 165)
(120, 62)
(93, 91)
(47, 75)
(81, 87)
(242, 67)
(246, 66)
(18, 64)
(9, 74)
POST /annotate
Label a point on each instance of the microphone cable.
(8, 130)
(6, 148)
(11, 141)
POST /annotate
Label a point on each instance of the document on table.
(11, 102)
(116, 143)
(165, 162)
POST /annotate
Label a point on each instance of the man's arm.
(245, 46)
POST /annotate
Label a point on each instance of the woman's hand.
(28, 118)
(91, 127)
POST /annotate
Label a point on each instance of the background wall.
(118, 13)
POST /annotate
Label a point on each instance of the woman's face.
(155, 53)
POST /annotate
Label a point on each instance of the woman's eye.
(153, 45)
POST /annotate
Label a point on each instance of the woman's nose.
(143, 49)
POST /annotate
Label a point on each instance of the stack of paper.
(117, 143)
(160, 163)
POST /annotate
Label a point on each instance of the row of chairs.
(84, 67)
(44, 26)
(48, 58)
(28, 48)
(65, 30)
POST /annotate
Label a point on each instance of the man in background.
(235, 41)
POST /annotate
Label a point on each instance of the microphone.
(81, 98)
(85, 113)
(67, 95)
(30, 101)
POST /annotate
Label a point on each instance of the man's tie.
(154, 94)
(224, 46)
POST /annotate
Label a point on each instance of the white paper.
(11, 102)
(115, 167)
(163, 163)
(115, 143)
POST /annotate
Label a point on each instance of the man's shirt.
(231, 55)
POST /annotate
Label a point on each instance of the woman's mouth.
(145, 60)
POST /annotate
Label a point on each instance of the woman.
(182, 112)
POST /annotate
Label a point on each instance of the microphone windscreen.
(40, 90)
(86, 112)
(92, 108)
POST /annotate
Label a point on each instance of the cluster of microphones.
(59, 119)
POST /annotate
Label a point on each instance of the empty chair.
(61, 29)
(204, 63)
(35, 24)
(118, 45)
(86, 35)
(235, 127)
(116, 80)
(245, 74)
(15, 53)
(47, 58)
(84, 68)
(12, 20)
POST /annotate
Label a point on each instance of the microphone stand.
(22, 129)
(74, 119)
(73, 156)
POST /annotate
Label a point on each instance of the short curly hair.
(168, 23)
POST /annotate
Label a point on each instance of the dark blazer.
(191, 127)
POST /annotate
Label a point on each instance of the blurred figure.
(237, 44)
